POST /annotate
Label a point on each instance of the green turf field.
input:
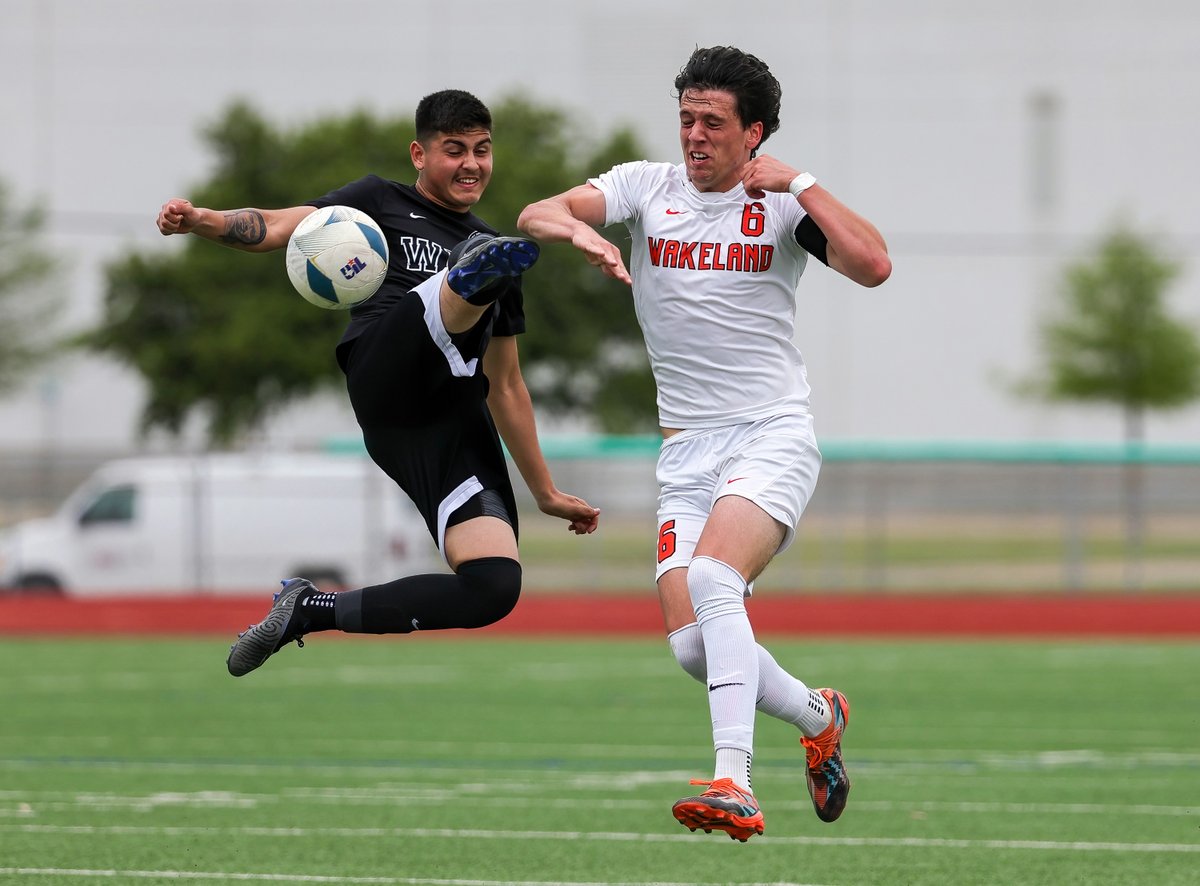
(486, 760)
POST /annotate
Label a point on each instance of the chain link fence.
(885, 517)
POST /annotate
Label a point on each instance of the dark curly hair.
(451, 111)
(747, 78)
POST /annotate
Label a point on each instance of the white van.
(222, 524)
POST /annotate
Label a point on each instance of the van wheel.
(39, 584)
(323, 577)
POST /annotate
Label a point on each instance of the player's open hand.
(602, 254)
(582, 518)
(177, 216)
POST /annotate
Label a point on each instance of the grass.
(481, 760)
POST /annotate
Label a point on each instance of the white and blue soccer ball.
(337, 257)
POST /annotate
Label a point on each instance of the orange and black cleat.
(828, 782)
(723, 807)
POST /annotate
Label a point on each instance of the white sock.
(731, 656)
(780, 695)
(734, 763)
(783, 696)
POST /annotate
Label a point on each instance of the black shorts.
(424, 416)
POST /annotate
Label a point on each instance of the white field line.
(226, 877)
(39, 685)
(596, 836)
(876, 763)
(776, 746)
(29, 804)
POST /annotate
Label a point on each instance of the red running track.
(841, 615)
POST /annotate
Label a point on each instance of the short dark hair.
(450, 110)
(746, 77)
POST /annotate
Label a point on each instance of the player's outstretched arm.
(571, 217)
(512, 410)
(250, 230)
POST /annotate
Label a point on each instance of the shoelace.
(819, 749)
(732, 787)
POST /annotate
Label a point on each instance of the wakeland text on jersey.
(699, 255)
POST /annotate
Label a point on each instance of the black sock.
(487, 294)
(317, 608)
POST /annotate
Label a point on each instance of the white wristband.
(802, 182)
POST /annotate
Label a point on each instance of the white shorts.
(773, 462)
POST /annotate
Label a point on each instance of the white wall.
(917, 114)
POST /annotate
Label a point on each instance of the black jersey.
(424, 418)
(420, 235)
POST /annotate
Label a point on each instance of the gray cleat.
(259, 642)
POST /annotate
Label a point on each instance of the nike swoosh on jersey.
(414, 215)
(676, 211)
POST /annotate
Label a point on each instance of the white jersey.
(714, 287)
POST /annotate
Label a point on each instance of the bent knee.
(493, 585)
(687, 645)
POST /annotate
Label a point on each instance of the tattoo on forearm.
(244, 226)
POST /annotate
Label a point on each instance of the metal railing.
(902, 516)
(921, 515)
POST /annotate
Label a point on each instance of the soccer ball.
(337, 257)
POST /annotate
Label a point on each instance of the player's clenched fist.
(764, 174)
(176, 217)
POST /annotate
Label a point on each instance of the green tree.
(26, 299)
(582, 352)
(1112, 340)
(222, 333)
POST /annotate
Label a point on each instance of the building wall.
(989, 142)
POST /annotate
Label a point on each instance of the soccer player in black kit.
(433, 375)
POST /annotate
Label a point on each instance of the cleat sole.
(708, 820)
(259, 642)
(499, 257)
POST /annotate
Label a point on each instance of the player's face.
(453, 169)
(715, 143)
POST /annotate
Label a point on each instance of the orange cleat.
(723, 807)
(828, 782)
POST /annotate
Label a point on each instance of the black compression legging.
(480, 593)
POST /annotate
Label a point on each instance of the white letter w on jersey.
(421, 254)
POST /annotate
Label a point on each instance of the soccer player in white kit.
(718, 246)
